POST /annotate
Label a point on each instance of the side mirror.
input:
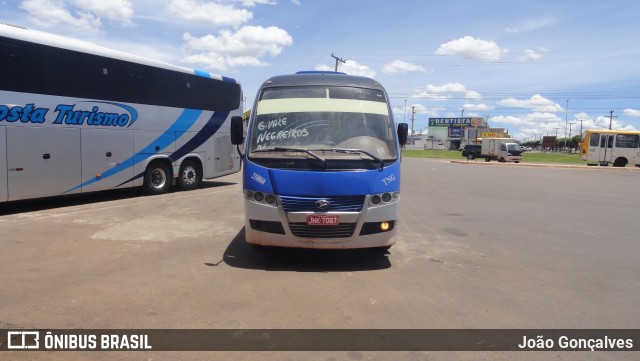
(403, 133)
(237, 130)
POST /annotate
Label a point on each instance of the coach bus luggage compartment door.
(42, 161)
(3, 164)
(103, 154)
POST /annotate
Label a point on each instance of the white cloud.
(477, 107)
(536, 102)
(400, 115)
(530, 54)
(251, 3)
(472, 95)
(501, 119)
(446, 91)
(474, 49)
(604, 122)
(50, 13)
(532, 124)
(399, 66)
(210, 12)
(351, 67)
(632, 112)
(531, 25)
(244, 47)
(119, 11)
(84, 15)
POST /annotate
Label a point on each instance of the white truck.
(501, 149)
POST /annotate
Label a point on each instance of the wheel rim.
(189, 175)
(158, 178)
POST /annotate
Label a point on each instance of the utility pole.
(570, 124)
(611, 119)
(580, 129)
(338, 60)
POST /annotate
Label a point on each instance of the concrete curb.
(543, 165)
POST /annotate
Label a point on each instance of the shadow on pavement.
(41, 204)
(241, 254)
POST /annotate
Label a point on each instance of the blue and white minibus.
(76, 117)
(322, 163)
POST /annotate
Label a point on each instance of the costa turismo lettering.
(68, 115)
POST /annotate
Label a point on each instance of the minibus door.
(606, 149)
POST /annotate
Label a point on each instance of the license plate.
(322, 220)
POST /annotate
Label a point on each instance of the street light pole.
(566, 121)
(413, 112)
(405, 111)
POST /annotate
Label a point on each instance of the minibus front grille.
(334, 204)
(344, 230)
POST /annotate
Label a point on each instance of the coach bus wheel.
(471, 157)
(157, 178)
(189, 176)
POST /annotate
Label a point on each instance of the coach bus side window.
(595, 139)
(9, 66)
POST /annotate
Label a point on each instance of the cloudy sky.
(530, 66)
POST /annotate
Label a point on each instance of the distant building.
(451, 131)
(423, 141)
(454, 133)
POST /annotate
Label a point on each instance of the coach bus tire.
(157, 178)
(190, 175)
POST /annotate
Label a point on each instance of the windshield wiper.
(354, 151)
(287, 149)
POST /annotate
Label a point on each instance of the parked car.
(525, 148)
(471, 151)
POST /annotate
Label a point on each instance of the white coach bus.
(76, 117)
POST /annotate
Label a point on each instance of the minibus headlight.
(386, 197)
(248, 194)
(270, 198)
(258, 196)
(375, 199)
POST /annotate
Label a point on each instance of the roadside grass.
(531, 157)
